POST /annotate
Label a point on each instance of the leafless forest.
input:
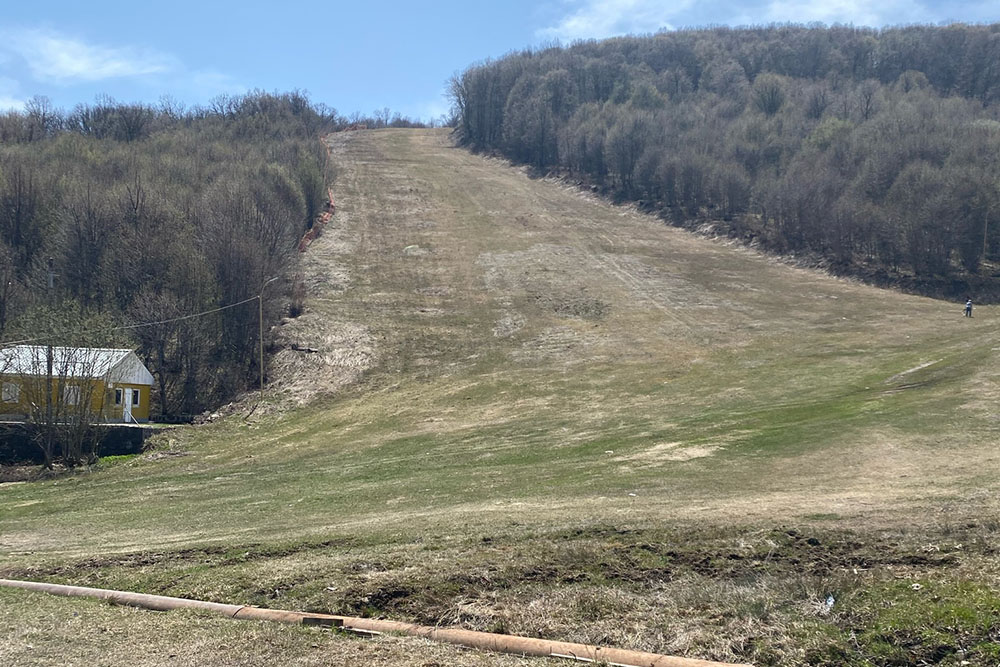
(117, 214)
(874, 151)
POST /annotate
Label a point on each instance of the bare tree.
(382, 117)
(43, 119)
(9, 283)
(137, 230)
(768, 93)
(60, 393)
(867, 94)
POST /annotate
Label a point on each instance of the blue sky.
(357, 56)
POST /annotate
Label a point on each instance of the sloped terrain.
(533, 412)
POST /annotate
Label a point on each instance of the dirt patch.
(15, 474)
(508, 325)
(565, 344)
(568, 304)
(688, 453)
(436, 290)
(668, 451)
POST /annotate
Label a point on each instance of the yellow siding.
(102, 398)
(141, 411)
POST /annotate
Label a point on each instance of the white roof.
(113, 365)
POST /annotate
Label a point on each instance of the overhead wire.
(126, 327)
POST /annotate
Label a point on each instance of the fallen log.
(482, 640)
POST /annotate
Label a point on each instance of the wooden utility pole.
(48, 352)
(48, 374)
(260, 333)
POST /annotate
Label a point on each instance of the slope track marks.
(459, 271)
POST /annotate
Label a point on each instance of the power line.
(140, 325)
(185, 317)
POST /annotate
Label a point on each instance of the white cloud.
(433, 109)
(10, 95)
(10, 104)
(212, 83)
(42, 59)
(596, 19)
(54, 57)
(858, 12)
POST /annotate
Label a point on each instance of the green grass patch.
(117, 459)
(924, 621)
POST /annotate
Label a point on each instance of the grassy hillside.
(535, 413)
(869, 149)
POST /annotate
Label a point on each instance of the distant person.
(968, 307)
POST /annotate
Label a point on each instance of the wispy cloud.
(433, 109)
(10, 97)
(10, 103)
(53, 57)
(211, 82)
(596, 19)
(47, 61)
(858, 12)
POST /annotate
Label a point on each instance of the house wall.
(102, 398)
(140, 412)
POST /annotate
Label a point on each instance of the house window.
(119, 396)
(71, 395)
(11, 392)
(135, 397)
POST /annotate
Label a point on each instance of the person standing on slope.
(968, 307)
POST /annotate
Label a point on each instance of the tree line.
(115, 214)
(876, 150)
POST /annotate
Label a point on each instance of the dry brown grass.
(42, 630)
(535, 412)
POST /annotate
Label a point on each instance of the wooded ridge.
(874, 150)
(115, 214)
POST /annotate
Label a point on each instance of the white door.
(127, 402)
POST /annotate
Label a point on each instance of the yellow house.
(96, 384)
